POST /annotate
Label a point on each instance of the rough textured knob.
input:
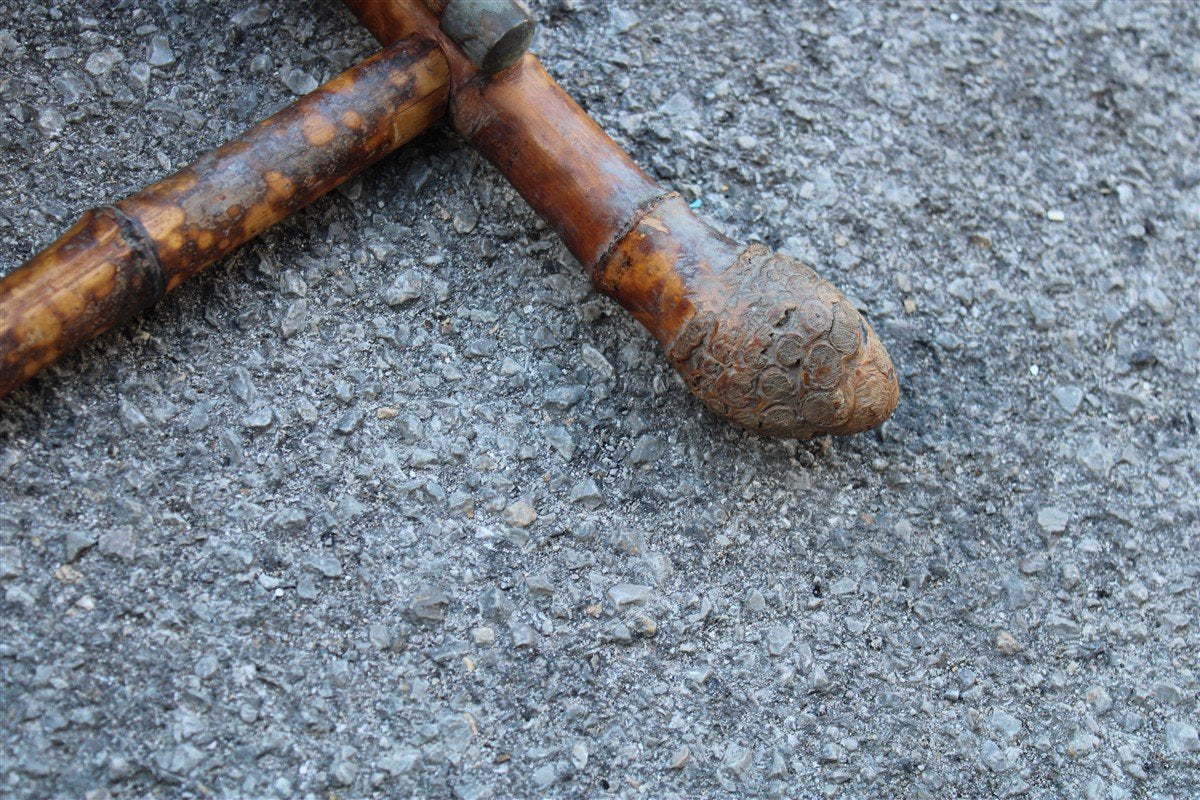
(779, 350)
(759, 337)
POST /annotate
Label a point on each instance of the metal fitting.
(494, 34)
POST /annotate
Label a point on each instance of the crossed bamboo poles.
(758, 337)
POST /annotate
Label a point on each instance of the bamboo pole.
(758, 337)
(119, 259)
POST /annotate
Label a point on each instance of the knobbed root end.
(779, 350)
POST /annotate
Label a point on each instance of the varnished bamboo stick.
(119, 259)
(758, 337)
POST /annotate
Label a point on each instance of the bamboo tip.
(780, 351)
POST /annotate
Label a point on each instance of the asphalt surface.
(390, 503)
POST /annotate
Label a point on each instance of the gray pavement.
(392, 504)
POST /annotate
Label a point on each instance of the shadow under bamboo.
(120, 258)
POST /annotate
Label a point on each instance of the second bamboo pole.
(119, 259)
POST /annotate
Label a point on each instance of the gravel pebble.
(779, 638)
(1069, 398)
(102, 61)
(1005, 724)
(521, 514)
(160, 54)
(75, 544)
(1007, 644)
(297, 80)
(11, 563)
(326, 566)
(627, 594)
(1182, 738)
(1052, 519)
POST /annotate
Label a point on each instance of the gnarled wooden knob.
(759, 337)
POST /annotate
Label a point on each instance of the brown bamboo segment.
(758, 337)
(119, 259)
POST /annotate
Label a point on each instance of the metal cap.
(494, 34)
